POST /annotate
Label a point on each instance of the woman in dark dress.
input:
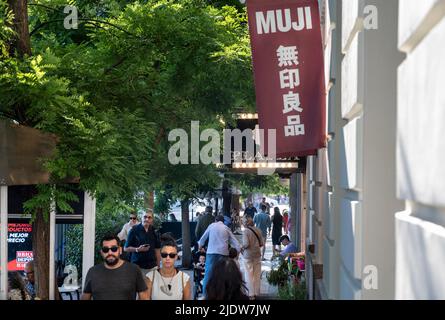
(277, 226)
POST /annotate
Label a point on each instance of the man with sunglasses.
(144, 245)
(115, 279)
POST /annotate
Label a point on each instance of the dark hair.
(263, 207)
(226, 281)
(284, 236)
(167, 240)
(110, 237)
(167, 236)
(233, 253)
(209, 209)
(220, 218)
(15, 281)
(277, 217)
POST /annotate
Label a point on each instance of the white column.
(89, 235)
(3, 242)
(52, 240)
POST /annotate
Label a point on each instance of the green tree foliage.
(252, 183)
(6, 31)
(112, 89)
(112, 94)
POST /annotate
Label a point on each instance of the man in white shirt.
(219, 236)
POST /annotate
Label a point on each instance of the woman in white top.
(168, 283)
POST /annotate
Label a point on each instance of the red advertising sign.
(289, 73)
(19, 245)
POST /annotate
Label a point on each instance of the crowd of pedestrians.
(138, 263)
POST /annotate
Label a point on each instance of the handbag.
(256, 235)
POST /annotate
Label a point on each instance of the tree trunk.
(249, 199)
(150, 201)
(186, 241)
(227, 197)
(40, 245)
(235, 203)
(21, 42)
(216, 205)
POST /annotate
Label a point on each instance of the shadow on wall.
(416, 268)
(403, 174)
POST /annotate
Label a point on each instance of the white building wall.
(420, 229)
(355, 178)
(381, 60)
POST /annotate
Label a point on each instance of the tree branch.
(118, 63)
(82, 19)
(42, 5)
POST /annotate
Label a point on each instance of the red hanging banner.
(288, 68)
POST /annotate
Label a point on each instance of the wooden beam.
(3, 242)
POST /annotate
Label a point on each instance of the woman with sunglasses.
(167, 282)
(123, 235)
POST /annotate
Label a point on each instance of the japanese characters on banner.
(289, 73)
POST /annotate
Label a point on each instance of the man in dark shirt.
(115, 279)
(250, 211)
(144, 244)
(204, 222)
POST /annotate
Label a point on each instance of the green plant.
(279, 276)
(74, 246)
(292, 290)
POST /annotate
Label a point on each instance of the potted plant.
(292, 290)
(278, 277)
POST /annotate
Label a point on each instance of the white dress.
(160, 285)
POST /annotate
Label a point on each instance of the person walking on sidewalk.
(277, 225)
(144, 244)
(226, 282)
(168, 283)
(267, 204)
(251, 249)
(250, 210)
(220, 237)
(204, 221)
(262, 222)
(285, 221)
(115, 279)
(123, 234)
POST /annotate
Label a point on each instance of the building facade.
(375, 215)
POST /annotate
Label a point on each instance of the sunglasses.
(171, 255)
(133, 218)
(148, 217)
(113, 249)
